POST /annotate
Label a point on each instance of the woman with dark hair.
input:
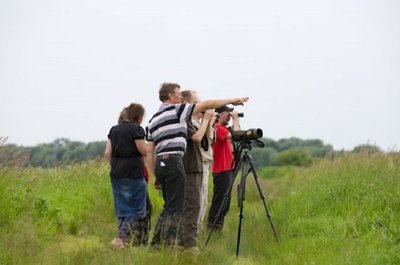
(125, 149)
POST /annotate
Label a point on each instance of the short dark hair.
(166, 90)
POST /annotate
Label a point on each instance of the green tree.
(263, 156)
(270, 143)
(294, 157)
(95, 149)
(288, 143)
(62, 151)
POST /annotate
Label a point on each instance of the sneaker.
(118, 243)
(193, 250)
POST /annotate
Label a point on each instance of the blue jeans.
(170, 173)
(129, 202)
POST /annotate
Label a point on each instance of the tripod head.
(246, 145)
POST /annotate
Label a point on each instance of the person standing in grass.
(192, 162)
(125, 149)
(167, 138)
(207, 157)
(222, 166)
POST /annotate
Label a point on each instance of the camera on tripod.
(243, 162)
(247, 135)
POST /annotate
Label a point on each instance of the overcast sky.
(312, 69)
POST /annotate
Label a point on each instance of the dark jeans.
(222, 183)
(170, 174)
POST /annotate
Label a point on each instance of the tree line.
(290, 151)
(287, 151)
(59, 152)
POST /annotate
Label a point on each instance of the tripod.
(246, 165)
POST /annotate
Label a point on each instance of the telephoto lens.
(250, 134)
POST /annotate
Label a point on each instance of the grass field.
(340, 211)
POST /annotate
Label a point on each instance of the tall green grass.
(341, 211)
(344, 211)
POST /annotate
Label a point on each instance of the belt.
(166, 156)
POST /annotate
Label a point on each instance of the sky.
(313, 69)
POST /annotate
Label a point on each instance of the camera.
(247, 135)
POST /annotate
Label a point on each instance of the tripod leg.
(241, 198)
(239, 230)
(263, 199)
(225, 200)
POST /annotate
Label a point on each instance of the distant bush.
(366, 148)
(294, 157)
(263, 156)
(12, 155)
(308, 149)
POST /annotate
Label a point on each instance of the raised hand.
(239, 101)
